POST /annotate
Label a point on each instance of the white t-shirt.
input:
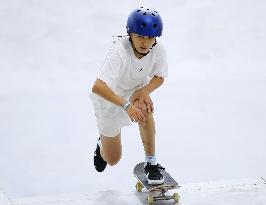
(123, 71)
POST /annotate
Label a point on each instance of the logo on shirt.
(140, 70)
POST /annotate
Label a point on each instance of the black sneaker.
(153, 174)
(99, 162)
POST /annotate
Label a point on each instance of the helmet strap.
(142, 54)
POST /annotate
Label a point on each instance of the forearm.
(154, 83)
(100, 88)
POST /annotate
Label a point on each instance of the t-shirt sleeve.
(109, 70)
(161, 66)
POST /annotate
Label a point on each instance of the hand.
(135, 114)
(143, 97)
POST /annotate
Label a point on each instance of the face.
(143, 44)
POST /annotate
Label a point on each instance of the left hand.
(142, 95)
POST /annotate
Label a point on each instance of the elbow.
(161, 79)
(94, 88)
(97, 86)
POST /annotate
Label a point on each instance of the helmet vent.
(138, 10)
(153, 14)
(155, 25)
(143, 25)
(144, 13)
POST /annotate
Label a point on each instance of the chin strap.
(142, 54)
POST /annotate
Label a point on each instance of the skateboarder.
(133, 68)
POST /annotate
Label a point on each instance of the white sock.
(151, 159)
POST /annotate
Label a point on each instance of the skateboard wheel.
(176, 197)
(139, 187)
(150, 199)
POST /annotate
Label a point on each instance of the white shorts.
(110, 118)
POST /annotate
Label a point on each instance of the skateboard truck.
(162, 194)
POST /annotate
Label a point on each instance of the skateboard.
(169, 183)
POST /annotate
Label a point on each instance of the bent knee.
(113, 160)
(143, 107)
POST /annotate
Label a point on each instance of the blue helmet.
(145, 22)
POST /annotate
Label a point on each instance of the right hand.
(135, 114)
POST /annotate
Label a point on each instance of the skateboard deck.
(169, 183)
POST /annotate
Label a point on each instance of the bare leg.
(111, 150)
(147, 130)
(147, 133)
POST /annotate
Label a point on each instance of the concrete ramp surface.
(234, 192)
